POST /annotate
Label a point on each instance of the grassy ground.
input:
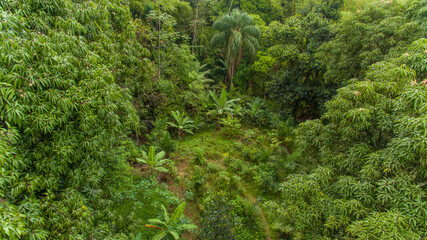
(227, 161)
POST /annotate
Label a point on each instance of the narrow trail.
(253, 200)
(182, 172)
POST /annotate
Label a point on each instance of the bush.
(223, 180)
(250, 227)
(160, 138)
(213, 167)
(235, 164)
(199, 157)
(231, 127)
(219, 218)
(256, 155)
(267, 182)
(198, 180)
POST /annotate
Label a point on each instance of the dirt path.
(253, 200)
(182, 172)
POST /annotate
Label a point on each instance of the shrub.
(213, 167)
(231, 127)
(235, 164)
(223, 180)
(183, 124)
(219, 218)
(199, 157)
(160, 138)
(198, 180)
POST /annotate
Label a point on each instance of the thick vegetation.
(203, 119)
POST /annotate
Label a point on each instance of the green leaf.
(158, 221)
(141, 160)
(223, 97)
(162, 169)
(160, 235)
(174, 235)
(187, 227)
(178, 212)
(151, 153)
(188, 131)
(165, 214)
(160, 155)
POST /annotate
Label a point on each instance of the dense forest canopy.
(213, 119)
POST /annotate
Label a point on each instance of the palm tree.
(239, 34)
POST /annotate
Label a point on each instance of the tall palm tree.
(238, 34)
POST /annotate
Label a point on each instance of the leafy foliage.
(298, 85)
(222, 104)
(219, 219)
(254, 109)
(239, 35)
(155, 161)
(170, 226)
(367, 153)
(182, 123)
(86, 85)
(370, 35)
(160, 138)
(60, 100)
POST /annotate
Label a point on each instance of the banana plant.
(254, 108)
(170, 226)
(182, 123)
(155, 161)
(223, 105)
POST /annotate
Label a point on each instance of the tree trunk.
(158, 46)
(239, 59)
(293, 7)
(229, 9)
(235, 64)
(231, 72)
(250, 85)
(195, 27)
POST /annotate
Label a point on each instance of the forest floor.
(215, 149)
(253, 200)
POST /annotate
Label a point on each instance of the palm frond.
(251, 31)
(223, 24)
(235, 44)
(249, 47)
(244, 20)
(218, 39)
